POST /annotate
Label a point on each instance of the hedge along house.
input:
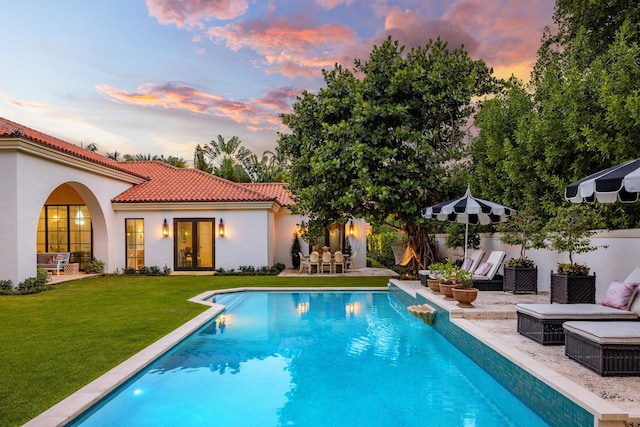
(58, 197)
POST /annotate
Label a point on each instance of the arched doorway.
(65, 225)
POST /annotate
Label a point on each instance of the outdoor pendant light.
(221, 228)
(350, 229)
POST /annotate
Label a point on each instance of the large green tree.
(579, 114)
(379, 140)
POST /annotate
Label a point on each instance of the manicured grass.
(55, 342)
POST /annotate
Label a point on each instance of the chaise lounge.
(544, 322)
(485, 277)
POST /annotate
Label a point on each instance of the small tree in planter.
(295, 251)
(569, 231)
(525, 230)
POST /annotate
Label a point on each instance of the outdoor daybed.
(609, 348)
(543, 322)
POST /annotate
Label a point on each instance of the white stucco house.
(58, 197)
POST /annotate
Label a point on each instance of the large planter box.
(573, 289)
(520, 280)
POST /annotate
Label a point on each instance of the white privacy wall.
(615, 262)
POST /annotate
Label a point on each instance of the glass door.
(194, 244)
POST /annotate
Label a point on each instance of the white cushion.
(574, 312)
(606, 332)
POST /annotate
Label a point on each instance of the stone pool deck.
(614, 400)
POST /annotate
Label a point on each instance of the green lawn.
(55, 342)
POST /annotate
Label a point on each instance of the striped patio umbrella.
(621, 182)
(469, 210)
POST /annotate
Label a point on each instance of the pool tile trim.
(604, 413)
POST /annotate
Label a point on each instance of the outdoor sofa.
(544, 322)
(53, 261)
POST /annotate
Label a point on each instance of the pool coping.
(606, 414)
(75, 404)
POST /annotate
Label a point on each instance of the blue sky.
(161, 76)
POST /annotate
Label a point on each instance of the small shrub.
(144, 271)
(129, 271)
(41, 276)
(166, 270)
(154, 270)
(94, 266)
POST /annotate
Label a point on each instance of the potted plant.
(525, 230)
(464, 293)
(435, 273)
(295, 251)
(569, 231)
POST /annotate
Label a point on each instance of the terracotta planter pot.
(434, 285)
(465, 296)
(447, 290)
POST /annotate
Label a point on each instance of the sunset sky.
(162, 76)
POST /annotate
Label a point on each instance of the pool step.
(230, 299)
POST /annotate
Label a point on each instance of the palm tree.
(229, 158)
(269, 168)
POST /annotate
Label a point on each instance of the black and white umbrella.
(621, 182)
(469, 210)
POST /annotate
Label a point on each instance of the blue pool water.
(312, 359)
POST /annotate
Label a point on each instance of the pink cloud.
(287, 46)
(509, 31)
(178, 96)
(412, 29)
(330, 4)
(191, 13)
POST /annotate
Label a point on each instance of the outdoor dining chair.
(314, 259)
(326, 262)
(338, 260)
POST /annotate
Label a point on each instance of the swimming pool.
(312, 358)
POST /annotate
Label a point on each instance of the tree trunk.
(422, 245)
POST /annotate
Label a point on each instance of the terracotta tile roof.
(165, 183)
(275, 189)
(9, 129)
(170, 184)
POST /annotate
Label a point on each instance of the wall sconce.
(221, 228)
(165, 228)
(350, 229)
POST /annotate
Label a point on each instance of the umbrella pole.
(466, 238)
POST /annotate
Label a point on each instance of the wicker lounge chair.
(543, 322)
(490, 280)
(609, 348)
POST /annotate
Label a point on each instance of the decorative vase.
(567, 289)
(465, 296)
(446, 289)
(520, 279)
(434, 285)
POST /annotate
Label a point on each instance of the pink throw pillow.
(619, 295)
(483, 268)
